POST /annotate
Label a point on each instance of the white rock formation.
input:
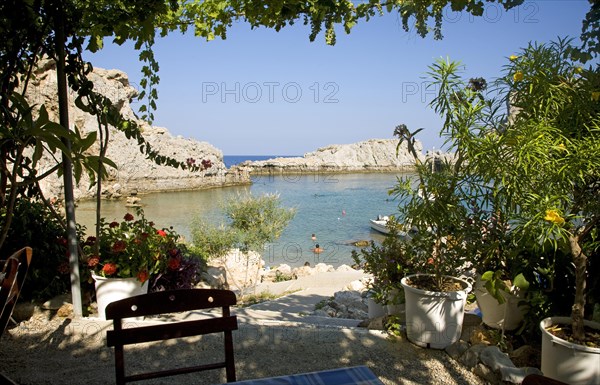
(135, 172)
(236, 270)
(369, 156)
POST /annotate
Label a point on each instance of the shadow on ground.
(65, 351)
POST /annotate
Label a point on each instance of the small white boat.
(380, 225)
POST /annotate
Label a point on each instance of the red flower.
(119, 246)
(112, 225)
(90, 241)
(93, 261)
(145, 236)
(206, 163)
(62, 241)
(128, 217)
(109, 269)
(162, 233)
(143, 276)
(64, 268)
(173, 252)
(173, 263)
(430, 261)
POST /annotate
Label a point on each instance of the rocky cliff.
(135, 173)
(374, 155)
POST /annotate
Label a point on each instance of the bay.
(232, 160)
(334, 207)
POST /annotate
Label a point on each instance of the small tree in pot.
(550, 163)
(540, 155)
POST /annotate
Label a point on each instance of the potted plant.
(432, 204)
(125, 257)
(540, 155)
(387, 264)
(551, 166)
(500, 259)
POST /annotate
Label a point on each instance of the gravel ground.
(47, 349)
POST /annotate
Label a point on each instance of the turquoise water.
(232, 160)
(336, 208)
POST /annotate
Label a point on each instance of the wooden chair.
(165, 302)
(536, 379)
(13, 276)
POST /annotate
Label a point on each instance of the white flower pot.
(394, 307)
(568, 362)
(434, 319)
(506, 316)
(376, 310)
(113, 289)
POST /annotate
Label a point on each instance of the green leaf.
(487, 276)
(521, 282)
(88, 141)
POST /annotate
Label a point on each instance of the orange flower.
(162, 233)
(143, 276)
(93, 261)
(109, 269)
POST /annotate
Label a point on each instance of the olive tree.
(252, 222)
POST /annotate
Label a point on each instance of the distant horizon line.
(261, 155)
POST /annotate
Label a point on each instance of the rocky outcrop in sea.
(135, 173)
(374, 155)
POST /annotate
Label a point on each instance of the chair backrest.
(172, 301)
(14, 272)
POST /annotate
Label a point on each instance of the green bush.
(34, 225)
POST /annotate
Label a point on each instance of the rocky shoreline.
(138, 175)
(374, 155)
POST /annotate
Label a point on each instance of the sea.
(336, 208)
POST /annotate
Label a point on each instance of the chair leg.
(229, 357)
(119, 365)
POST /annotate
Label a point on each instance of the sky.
(262, 92)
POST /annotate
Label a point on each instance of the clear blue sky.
(263, 92)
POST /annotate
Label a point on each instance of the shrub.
(34, 225)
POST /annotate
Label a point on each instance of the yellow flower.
(513, 57)
(518, 76)
(578, 70)
(596, 96)
(554, 217)
(562, 146)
